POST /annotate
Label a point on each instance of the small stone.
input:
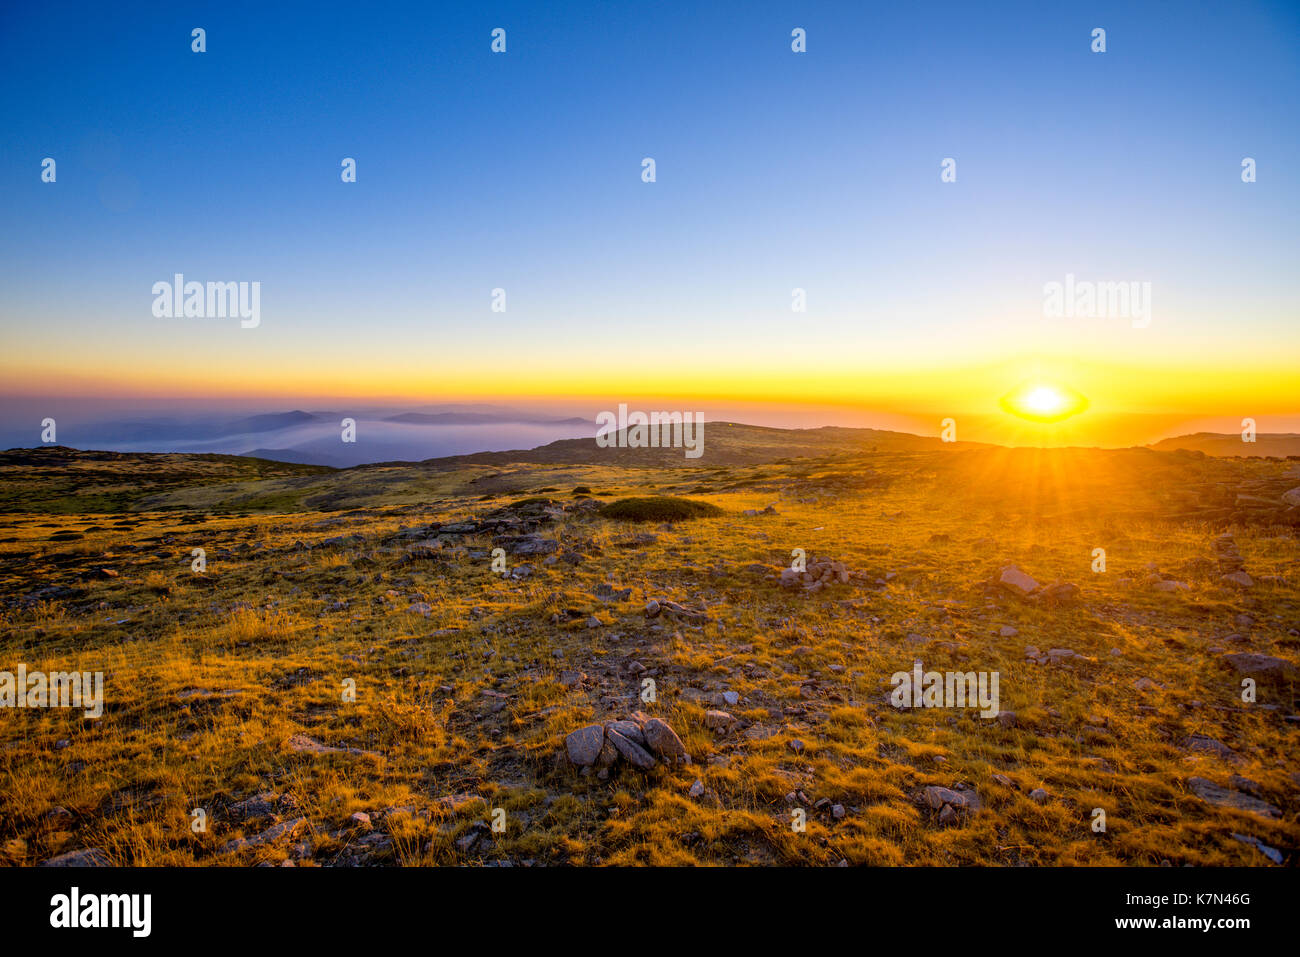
(466, 841)
(1272, 854)
(718, 720)
(697, 789)
(1016, 581)
(837, 811)
(87, 857)
(1006, 631)
(937, 797)
(796, 745)
(1039, 796)
(360, 818)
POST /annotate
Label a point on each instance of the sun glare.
(1042, 402)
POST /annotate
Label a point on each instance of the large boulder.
(664, 742)
(1223, 797)
(1256, 665)
(583, 745)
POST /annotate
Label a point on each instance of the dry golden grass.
(210, 677)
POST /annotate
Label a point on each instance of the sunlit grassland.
(208, 677)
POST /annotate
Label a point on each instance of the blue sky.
(522, 170)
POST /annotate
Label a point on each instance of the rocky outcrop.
(639, 739)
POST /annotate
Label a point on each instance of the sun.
(1044, 402)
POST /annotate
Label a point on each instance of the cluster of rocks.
(514, 526)
(1056, 656)
(662, 606)
(1156, 581)
(951, 803)
(1260, 503)
(1231, 565)
(639, 739)
(1227, 566)
(820, 573)
(1015, 581)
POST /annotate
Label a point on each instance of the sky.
(775, 170)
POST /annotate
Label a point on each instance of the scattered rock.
(1271, 853)
(1207, 745)
(937, 797)
(1255, 665)
(1223, 797)
(718, 720)
(86, 857)
(1016, 581)
(1057, 593)
(306, 745)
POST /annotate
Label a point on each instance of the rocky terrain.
(536, 664)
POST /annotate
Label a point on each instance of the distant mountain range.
(317, 437)
(724, 444)
(1280, 444)
(498, 435)
(476, 418)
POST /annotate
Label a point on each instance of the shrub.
(658, 508)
